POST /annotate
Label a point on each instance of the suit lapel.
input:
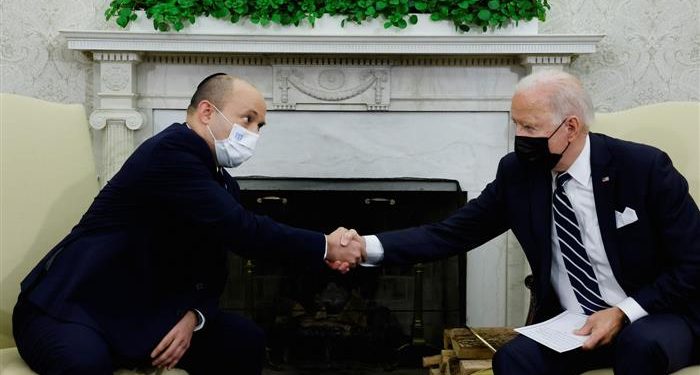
(604, 179)
(231, 185)
(541, 221)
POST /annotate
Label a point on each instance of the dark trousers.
(228, 344)
(654, 345)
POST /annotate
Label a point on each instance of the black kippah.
(201, 93)
(205, 80)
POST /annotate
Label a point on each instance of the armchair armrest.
(529, 282)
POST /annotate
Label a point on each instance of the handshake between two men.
(345, 249)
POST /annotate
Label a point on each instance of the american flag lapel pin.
(606, 179)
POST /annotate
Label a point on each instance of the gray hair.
(566, 95)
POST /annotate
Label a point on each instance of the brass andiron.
(412, 353)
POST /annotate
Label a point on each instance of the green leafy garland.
(175, 14)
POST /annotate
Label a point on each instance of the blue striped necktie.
(578, 265)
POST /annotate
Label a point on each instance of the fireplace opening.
(389, 315)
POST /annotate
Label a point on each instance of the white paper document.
(557, 333)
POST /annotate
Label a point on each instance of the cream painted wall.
(34, 60)
(651, 52)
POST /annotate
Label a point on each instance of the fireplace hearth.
(319, 319)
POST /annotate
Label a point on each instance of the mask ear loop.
(225, 118)
(568, 143)
(555, 130)
(212, 134)
(223, 115)
(218, 167)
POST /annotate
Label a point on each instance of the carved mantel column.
(115, 111)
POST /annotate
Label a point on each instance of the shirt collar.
(580, 170)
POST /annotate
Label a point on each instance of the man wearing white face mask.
(137, 281)
(237, 147)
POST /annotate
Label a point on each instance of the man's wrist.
(374, 251)
(624, 319)
(198, 320)
(631, 309)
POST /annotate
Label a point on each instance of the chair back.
(673, 127)
(47, 182)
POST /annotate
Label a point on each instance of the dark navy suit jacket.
(656, 259)
(153, 243)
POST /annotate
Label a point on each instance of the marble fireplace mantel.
(355, 106)
(145, 42)
(127, 62)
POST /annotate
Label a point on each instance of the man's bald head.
(216, 88)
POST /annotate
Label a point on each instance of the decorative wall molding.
(331, 60)
(546, 60)
(389, 60)
(113, 77)
(176, 59)
(503, 60)
(537, 62)
(651, 52)
(334, 85)
(131, 119)
(116, 56)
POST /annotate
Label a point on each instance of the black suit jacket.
(153, 243)
(656, 259)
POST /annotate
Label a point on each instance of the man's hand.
(174, 345)
(603, 326)
(346, 248)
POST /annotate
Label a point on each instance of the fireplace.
(318, 316)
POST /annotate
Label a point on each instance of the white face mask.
(237, 147)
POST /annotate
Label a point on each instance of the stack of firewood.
(467, 351)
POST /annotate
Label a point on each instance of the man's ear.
(575, 127)
(205, 111)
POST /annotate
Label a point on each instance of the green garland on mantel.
(465, 14)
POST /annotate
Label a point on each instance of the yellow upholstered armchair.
(47, 182)
(673, 127)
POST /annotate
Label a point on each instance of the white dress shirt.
(580, 192)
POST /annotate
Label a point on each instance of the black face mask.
(535, 150)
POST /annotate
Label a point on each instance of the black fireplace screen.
(369, 313)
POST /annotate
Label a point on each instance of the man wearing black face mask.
(535, 150)
(608, 227)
